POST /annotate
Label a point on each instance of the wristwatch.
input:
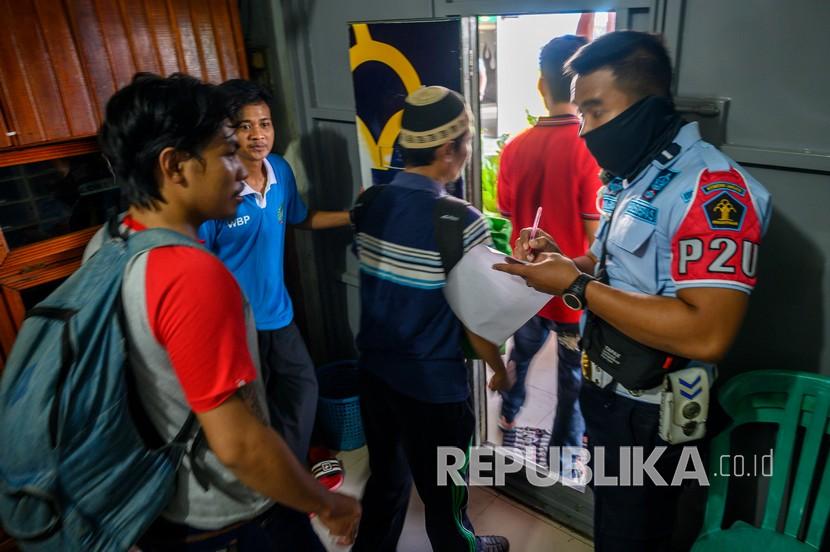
(574, 296)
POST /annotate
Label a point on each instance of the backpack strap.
(146, 430)
(67, 359)
(136, 244)
(448, 221)
(361, 204)
(447, 218)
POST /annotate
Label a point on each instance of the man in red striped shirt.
(548, 165)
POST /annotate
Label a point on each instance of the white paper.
(490, 303)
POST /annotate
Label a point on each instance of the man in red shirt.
(191, 333)
(548, 165)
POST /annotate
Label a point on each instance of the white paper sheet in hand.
(490, 303)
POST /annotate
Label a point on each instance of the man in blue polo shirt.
(671, 270)
(416, 397)
(251, 245)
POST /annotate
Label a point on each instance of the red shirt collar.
(133, 224)
(136, 226)
(557, 120)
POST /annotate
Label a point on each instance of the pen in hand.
(535, 228)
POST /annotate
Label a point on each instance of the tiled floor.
(490, 513)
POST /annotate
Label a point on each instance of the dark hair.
(244, 92)
(153, 113)
(552, 58)
(639, 61)
(422, 157)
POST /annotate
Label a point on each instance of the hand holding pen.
(530, 249)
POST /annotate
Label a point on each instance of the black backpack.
(447, 220)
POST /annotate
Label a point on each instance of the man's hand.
(526, 249)
(259, 457)
(552, 275)
(503, 380)
(341, 517)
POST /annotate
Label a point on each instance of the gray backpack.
(81, 467)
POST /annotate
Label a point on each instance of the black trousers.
(290, 385)
(403, 435)
(291, 391)
(280, 529)
(629, 518)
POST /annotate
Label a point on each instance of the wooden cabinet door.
(117, 38)
(61, 61)
(5, 136)
(30, 266)
(41, 78)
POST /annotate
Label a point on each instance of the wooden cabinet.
(61, 60)
(31, 266)
(44, 93)
(5, 139)
(118, 38)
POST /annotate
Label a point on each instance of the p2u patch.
(717, 241)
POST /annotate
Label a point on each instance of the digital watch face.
(572, 301)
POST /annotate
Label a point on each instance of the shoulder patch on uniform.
(724, 199)
(724, 212)
(717, 241)
(717, 186)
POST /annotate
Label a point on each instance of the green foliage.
(489, 173)
(489, 178)
(500, 229)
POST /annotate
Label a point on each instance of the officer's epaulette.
(714, 160)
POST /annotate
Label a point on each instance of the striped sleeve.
(476, 231)
(406, 266)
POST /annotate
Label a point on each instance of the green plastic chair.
(788, 400)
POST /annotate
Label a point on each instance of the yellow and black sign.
(388, 62)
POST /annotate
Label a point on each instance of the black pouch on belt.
(631, 364)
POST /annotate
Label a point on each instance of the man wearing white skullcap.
(415, 396)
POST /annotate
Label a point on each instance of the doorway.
(509, 103)
(508, 48)
(493, 61)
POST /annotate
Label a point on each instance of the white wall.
(519, 41)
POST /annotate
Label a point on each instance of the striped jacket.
(408, 335)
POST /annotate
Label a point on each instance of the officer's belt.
(603, 379)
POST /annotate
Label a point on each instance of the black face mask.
(627, 143)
